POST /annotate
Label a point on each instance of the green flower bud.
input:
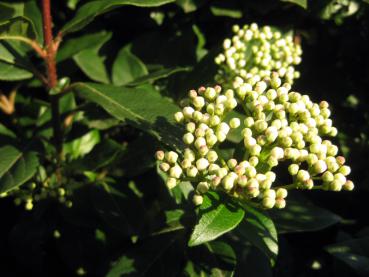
(171, 157)
(202, 187)
(242, 181)
(293, 169)
(254, 161)
(191, 127)
(345, 170)
(197, 200)
(280, 203)
(212, 156)
(228, 182)
(210, 93)
(335, 185)
(249, 122)
(178, 116)
(189, 155)
(260, 125)
(192, 171)
(171, 183)
(232, 163)
(327, 177)
(303, 175)
(272, 161)
(186, 163)
(349, 185)
(234, 123)
(281, 193)
(188, 138)
(268, 203)
(250, 172)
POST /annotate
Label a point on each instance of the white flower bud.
(249, 142)
(250, 172)
(202, 164)
(192, 171)
(210, 93)
(189, 155)
(171, 157)
(327, 177)
(202, 187)
(228, 182)
(200, 141)
(198, 102)
(197, 200)
(293, 169)
(188, 138)
(164, 167)
(175, 172)
(268, 203)
(160, 155)
(345, 170)
(171, 183)
(281, 193)
(187, 112)
(349, 185)
(277, 153)
(320, 166)
(303, 175)
(234, 123)
(178, 116)
(191, 127)
(212, 156)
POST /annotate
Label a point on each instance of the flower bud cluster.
(255, 50)
(29, 194)
(280, 125)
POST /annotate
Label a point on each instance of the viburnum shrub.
(279, 125)
(106, 171)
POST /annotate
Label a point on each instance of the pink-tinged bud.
(280, 203)
(159, 155)
(215, 181)
(349, 185)
(164, 167)
(192, 93)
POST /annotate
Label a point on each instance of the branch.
(52, 82)
(33, 44)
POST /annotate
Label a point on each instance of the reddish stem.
(52, 82)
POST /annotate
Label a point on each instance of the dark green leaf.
(301, 3)
(111, 206)
(259, 229)
(127, 67)
(138, 260)
(89, 11)
(354, 253)
(92, 62)
(156, 75)
(82, 145)
(142, 107)
(73, 46)
(16, 167)
(217, 216)
(220, 11)
(225, 257)
(10, 72)
(300, 215)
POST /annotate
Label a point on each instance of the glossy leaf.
(92, 62)
(156, 75)
(82, 145)
(217, 216)
(259, 230)
(138, 260)
(127, 67)
(220, 11)
(354, 253)
(300, 215)
(73, 46)
(89, 11)
(16, 167)
(144, 108)
(301, 3)
(10, 72)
